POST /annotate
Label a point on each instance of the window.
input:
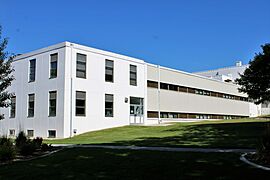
(108, 105)
(13, 107)
(53, 65)
(51, 133)
(133, 75)
(31, 105)
(173, 87)
(12, 132)
(32, 70)
(136, 106)
(152, 84)
(108, 71)
(80, 103)
(52, 103)
(152, 114)
(30, 133)
(81, 66)
(164, 86)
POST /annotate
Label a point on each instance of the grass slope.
(240, 133)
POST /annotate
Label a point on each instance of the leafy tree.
(6, 76)
(255, 81)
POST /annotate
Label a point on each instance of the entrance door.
(136, 111)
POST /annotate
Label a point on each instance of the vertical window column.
(52, 103)
(108, 105)
(81, 66)
(80, 103)
(31, 105)
(133, 75)
(109, 71)
(13, 107)
(32, 70)
(53, 65)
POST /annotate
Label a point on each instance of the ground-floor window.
(108, 105)
(51, 133)
(12, 132)
(30, 133)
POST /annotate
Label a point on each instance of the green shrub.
(46, 147)
(37, 142)
(28, 148)
(7, 149)
(21, 139)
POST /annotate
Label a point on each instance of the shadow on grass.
(84, 163)
(225, 135)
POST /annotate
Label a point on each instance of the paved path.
(170, 149)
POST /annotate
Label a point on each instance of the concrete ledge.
(244, 159)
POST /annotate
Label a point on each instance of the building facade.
(68, 89)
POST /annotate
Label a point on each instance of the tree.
(6, 76)
(255, 81)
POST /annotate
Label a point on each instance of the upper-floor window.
(108, 71)
(13, 107)
(133, 75)
(31, 105)
(32, 70)
(53, 65)
(81, 66)
(108, 105)
(80, 103)
(52, 103)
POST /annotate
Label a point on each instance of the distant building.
(229, 74)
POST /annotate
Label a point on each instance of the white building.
(68, 89)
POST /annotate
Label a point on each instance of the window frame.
(80, 107)
(52, 130)
(131, 72)
(32, 73)
(109, 68)
(109, 102)
(12, 107)
(50, 114)
(28, 108)
(56, 69)
(81, 63)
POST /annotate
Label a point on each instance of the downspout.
(71, 91)
(159, 120)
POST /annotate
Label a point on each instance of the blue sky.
(190, 35)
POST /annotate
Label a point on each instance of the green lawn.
(241, 133)
(85, 163)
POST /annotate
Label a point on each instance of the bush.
(37, 142)
(263, 151)
(28, 148)
(7, 150)
(46, 147)
(21, 139)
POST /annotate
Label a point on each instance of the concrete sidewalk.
(170, 149)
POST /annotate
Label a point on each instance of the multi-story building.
(68, 89)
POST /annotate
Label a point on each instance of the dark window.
(12, 132)
(109, 71)
(152, 84)
(80, 103)
(133, 75)
(81, 66)
(152, 114)
(31, 105)
(108, 105)
(52, 103)
(30, 133)
(191, 90)
(51, 133)
(182, 89)
(13, 107)
(53, 65)
(182, 115)
(32, 70)
(173, 87)
(164, 86)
